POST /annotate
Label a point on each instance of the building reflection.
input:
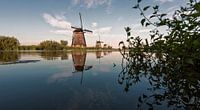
(79, 60)
(99, 54)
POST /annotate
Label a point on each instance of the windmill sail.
(81, 21)
(85, 30)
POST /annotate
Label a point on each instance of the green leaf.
(121, 42)
(139, 1)
(147, 24)
(145, 8)
(144, 96)
(136, 6)
(196, 43)
(197, 7)
(155, 7)
(142, 21)
(127, 29)
(147, 43)
(140, 99)
(152, 36)
(152, 16)
(162, 15)
(149, 104)
(189, 61)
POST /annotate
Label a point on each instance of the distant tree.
(8, 43)
(64, 43)
(50, 45)
(29, 47)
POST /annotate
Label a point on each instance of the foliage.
(29, 47)
(8, 43)
(64, 43)
(9, 57)
(170, 61)
(50, 45)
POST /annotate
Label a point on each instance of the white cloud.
(144, 30)
(109, 9)
(92, 3)
(59, 76)
(103, 30)
(163, 1)
(94, 24)
(75, 2)
(57, 21)
(62, 32)
(120, 18)
(136, 26)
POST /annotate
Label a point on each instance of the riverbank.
(67, 50)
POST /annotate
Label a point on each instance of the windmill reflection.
(99, 55)
(79, 59)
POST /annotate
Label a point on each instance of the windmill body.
(78, 38)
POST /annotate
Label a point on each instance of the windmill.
(98, 43)
(78, 38)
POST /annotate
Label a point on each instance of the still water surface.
(75, 80)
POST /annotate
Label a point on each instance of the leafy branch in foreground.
(170, 61)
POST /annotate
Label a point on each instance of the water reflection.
(7, 58)
(79, 59)
(98, 54)
(54, 55)
(170, 82)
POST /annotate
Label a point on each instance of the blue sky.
(33, 21)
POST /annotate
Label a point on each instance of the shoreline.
(69, 50)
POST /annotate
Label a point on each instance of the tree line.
(11, 43)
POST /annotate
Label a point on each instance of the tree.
(8, 43)
(64, 43)
(50, 45)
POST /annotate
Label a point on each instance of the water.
(75, 80)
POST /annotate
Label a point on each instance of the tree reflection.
(6, 57)
(53, 55)
(172, 80)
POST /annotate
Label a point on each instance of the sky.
(33, 21)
